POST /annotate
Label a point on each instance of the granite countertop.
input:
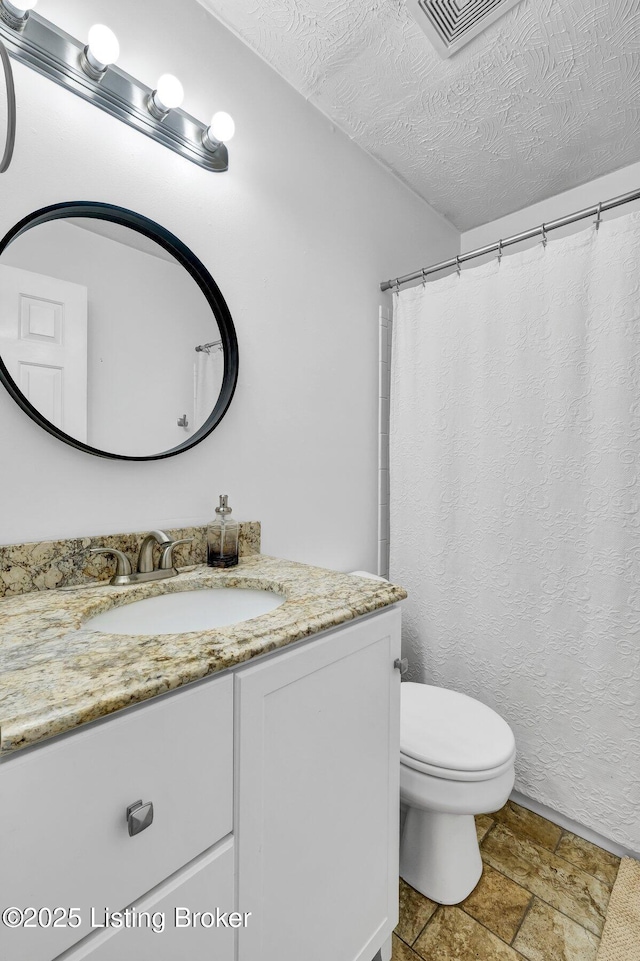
(56, 675)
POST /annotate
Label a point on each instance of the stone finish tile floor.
(543, 896)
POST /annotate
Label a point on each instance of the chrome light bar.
(41, 45)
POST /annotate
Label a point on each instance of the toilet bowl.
(456, 760)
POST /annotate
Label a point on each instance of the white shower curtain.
(515, 521)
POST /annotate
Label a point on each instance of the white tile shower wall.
(383, 441)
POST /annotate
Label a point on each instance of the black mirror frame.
(10, 139)
(197, 270)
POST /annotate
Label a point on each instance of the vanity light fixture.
(90, 72)
(102, 50)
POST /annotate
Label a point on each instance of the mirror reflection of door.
(43, 342)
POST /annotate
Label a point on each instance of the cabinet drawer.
(64, 839)
(200, 888)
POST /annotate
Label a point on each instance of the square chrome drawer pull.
(139, 816)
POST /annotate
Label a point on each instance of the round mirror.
(113, 335)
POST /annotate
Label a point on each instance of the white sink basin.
(184, 611)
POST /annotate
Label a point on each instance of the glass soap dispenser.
(222, 537)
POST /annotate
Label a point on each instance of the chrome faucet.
(145, 557)
(146, 570)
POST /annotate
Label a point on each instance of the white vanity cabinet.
(275, 792)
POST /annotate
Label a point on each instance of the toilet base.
(439, 855)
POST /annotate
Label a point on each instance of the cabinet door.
(318, 770)
(200, 888)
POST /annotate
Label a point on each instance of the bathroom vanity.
(272, 768)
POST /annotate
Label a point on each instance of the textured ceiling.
(546, 99)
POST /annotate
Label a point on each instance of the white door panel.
(42, 385)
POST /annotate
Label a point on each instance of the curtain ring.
(397, 285)
(544, 236)
(599, 217)
(499, 252)
(424, 277)
(458, 268)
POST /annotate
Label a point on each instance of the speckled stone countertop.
(55, 675)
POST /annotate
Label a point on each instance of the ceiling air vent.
(450, 24)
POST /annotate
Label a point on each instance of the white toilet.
(456, 760)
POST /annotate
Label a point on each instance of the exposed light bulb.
(222, 126)
(19, 9)
(16, 14)
(103, 48)
(220, 130)
(168, 94)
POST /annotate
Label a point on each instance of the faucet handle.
(123, 564)
(166, 555)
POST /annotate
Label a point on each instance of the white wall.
(298, 234)
(603, 188)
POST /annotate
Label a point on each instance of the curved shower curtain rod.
(499, 246)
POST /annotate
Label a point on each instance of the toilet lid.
(450, 730)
